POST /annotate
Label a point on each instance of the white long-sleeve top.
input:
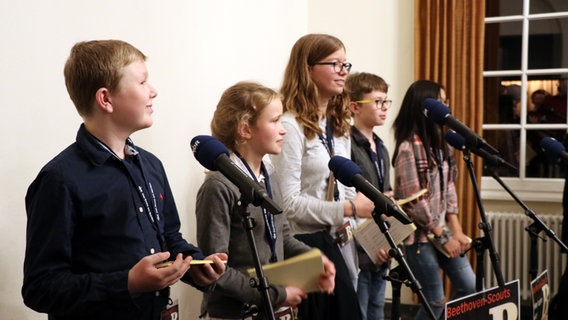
(302, 169)
(303, 174)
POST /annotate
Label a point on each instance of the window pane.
(545, 43)
(546, 6)
(507, 142)
(539, 164)
(496, 8)
(502, 100)
(547, 102)
(503, 46)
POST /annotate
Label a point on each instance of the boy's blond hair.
(96, 64)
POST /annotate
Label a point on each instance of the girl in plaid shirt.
(422, 159)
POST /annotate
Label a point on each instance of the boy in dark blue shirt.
(101, 214)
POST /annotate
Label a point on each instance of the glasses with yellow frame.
(384, 104)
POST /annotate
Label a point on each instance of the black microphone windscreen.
(455, 139)
(207, 149)
(344, 169)
(551, 146)
(435, 110)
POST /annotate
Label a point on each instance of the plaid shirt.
(413, 174)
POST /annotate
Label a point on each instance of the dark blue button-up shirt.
(92, 217)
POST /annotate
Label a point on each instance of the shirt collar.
(361, 140)
(97, 151)
(269, 167)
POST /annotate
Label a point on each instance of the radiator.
(512, 243)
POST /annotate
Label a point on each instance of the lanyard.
(140, 182)
(327, 140)
(440, 160)
(328, 143)
(378, 161)
(146, 193)
(268, 217)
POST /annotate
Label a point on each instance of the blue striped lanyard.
(378, 162)
(328, 143)
(268, 217)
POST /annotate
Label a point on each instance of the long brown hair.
(300, 93)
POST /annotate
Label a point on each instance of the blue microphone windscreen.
(206, 149)
(435, 110)
(343, 169)
(551, 146)
(455, 139)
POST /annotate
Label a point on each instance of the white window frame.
(528, 189)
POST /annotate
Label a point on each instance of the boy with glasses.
(368, 103)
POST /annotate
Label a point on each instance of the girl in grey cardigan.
(247, 121)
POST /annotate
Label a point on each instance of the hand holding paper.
(302, 271)
(327, 279)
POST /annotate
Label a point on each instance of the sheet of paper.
(370, 237)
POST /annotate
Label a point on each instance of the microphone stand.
(485, 242)
(533, 229)
(404, 275)
(397, 277)
(261, 282)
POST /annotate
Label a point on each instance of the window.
(525, 84)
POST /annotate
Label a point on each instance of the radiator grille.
(512, 243)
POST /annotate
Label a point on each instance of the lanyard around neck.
(327, 140)
(268, 217)
(378, 162)
(141, 183)
(328, 143)
(440, 160)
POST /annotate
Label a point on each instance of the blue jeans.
(425, 263)
(371, 292)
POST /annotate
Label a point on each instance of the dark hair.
(411, 120)
(539, 91)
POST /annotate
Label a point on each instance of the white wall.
(196, 49)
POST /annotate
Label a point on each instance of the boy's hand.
(145, 277)
(206, 274)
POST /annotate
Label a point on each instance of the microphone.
(458, 142)
(349, 173)
(553, 148)
(440, 114)
(213, 155)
